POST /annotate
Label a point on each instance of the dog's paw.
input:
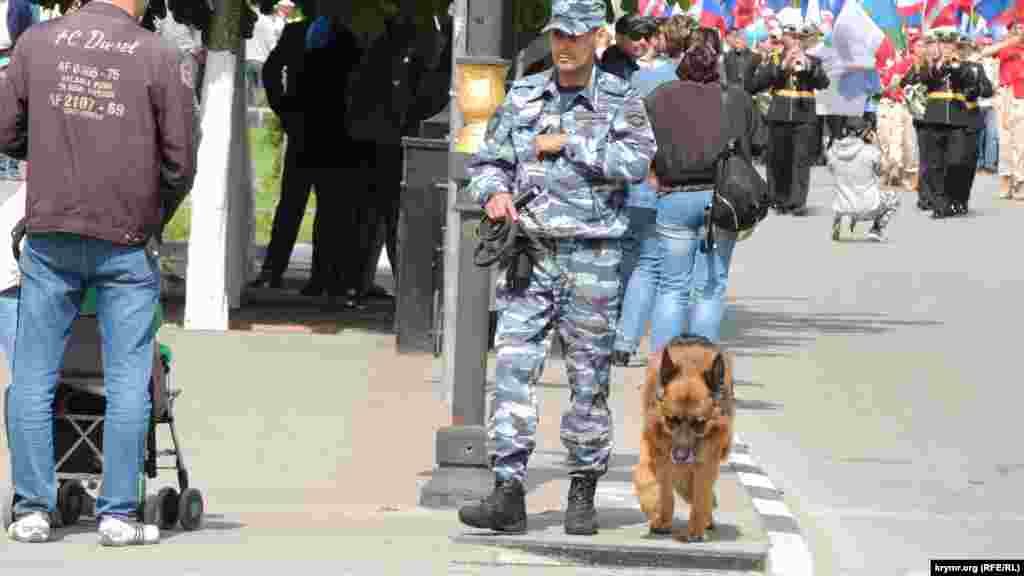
(661, 530)
(686, 537)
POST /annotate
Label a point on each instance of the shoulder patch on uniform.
(187, 73)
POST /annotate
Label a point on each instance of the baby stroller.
(79, 409)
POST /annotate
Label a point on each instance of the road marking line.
(772, 508)
(789, 554)
(741, 459)
(756, 480)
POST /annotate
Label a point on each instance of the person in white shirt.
(264, 38)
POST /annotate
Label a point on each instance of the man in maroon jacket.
(111, 142)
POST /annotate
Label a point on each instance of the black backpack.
(741, 195)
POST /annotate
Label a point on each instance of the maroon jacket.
(107, 111)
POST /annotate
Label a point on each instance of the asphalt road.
(881, 381)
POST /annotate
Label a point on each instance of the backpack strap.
(17, 234)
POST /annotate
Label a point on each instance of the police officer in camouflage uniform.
(575, 135)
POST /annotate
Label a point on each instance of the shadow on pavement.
(759, 331)
(273, 311)
(211, 522)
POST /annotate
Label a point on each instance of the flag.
(744, 12)
(884, 14)
(657, 8)
(811, 12)
(855, 36)
(712, 15)
(992, 9)
(944, 12)
(908, 8)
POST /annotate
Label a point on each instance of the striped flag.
(657, 8)
(909, 7)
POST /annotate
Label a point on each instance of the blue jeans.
(640, 269)
(56, 271)
(682, 269)
(8, 324)
(988, 141)
(8, 330)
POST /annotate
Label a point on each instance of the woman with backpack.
(694, 119)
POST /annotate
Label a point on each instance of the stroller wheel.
(190, 509)
(169, 502)
(70, 501)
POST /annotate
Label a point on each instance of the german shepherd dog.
(688, 411)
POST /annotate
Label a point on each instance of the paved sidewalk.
(309, 449)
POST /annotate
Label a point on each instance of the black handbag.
(740, 199)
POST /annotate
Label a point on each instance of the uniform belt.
(795, 93)
(952, 96)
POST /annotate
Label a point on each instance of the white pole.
(206, 282)
(240, 191)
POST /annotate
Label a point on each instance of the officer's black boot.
(503, 511)
(580, 515)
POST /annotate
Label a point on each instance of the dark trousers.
(924, 188)
(790, 156)
(951, 156)
(379, 181)
(296, 183)
(333, 230)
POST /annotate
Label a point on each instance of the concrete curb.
(629, 545)
(789, 553)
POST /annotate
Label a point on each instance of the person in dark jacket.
(632, 36)
(740, 60)
(951, 151)
(383, 108)
(693, 120)
(792, 75)
(322, 102)
(280, 79)
(110, 159)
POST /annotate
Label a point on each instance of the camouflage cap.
(576, 17)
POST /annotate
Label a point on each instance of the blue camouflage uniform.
(575, 287)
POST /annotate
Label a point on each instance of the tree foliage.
(363, 16)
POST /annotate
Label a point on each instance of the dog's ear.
(715, 376)
(666, 370)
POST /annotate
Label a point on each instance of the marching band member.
(951, 114)
(792, 75)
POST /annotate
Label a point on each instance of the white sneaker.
(34, 527)
(116, 532)
(875, 235)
